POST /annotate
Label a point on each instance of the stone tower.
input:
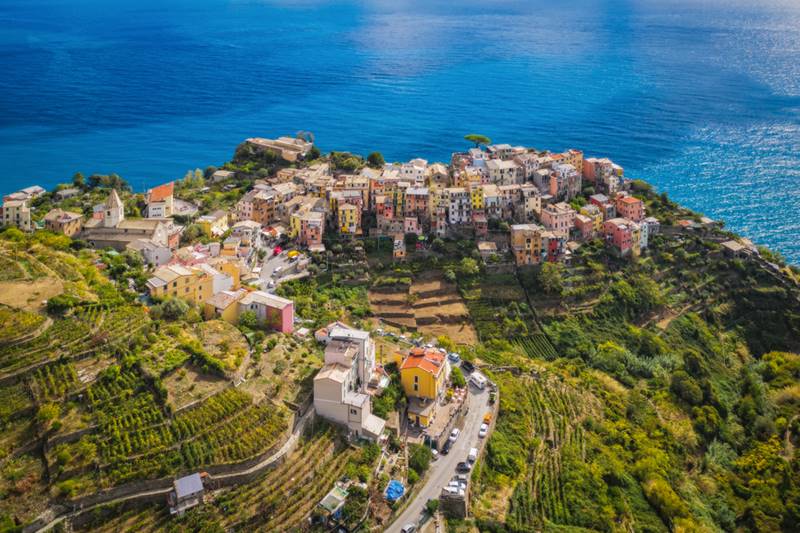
(115, 211)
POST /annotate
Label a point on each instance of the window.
(353, 412)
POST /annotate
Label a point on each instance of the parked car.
(454, 435)
(463, 466)
(446, 448)
(467, 367)
(483, 431)
(429, 346)
(487, 418)
(453, 357)
(271, 284)
(408, 528)
(434, 454)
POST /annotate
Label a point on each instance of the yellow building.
(636, 236)
(230, 266)
(593, 212)
(526, 243)
(176, 281)
(349, 217)
(476, 195)
(295, 223)
(214, 224)
(423, 377)
(224, 305)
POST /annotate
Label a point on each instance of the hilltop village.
(299, 341)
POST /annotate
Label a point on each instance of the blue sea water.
(700, 97)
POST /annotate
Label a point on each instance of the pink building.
(274, 311)
(416, 202)
(630, 208)
(558, 218)
(619, 233)
(585, 227)
(411, 225)
(312, 226)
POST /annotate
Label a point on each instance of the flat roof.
(188, 485)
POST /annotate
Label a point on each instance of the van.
(479, 380)
(473, 455)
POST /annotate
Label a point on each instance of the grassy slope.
(668, 408)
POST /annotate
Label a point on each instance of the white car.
(454, 435)
(483, 431)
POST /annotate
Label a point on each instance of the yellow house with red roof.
(423, 377)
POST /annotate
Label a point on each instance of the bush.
(457, 377)
(419, 458)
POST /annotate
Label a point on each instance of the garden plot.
(429, 305)
(188, 385)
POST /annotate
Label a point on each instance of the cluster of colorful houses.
(533, 191)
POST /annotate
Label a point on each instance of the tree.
(431, 506)
(550, 278)
(47, 414)
(478, 139)
(468, 267)
(686, 388)
(419, 458)
(313, 154)
(174, 308)
(78, 180)
(375, 160)
(411, 239)
(248, 319)
(457, 377)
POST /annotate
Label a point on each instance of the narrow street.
(444, 468)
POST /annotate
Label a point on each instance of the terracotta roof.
(162, 192)
(630, 200)
(431, 361)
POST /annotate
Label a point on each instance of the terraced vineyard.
(279, 500)
(83, 332)
(537, 346)
(552, 413)
(17, 324)
(134, 439)
(498, 307)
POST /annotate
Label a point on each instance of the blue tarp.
(395, 490)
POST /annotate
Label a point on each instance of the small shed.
(187, 492)
(733, 249)
(334, 500)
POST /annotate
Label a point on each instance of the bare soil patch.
(188, 385)
(29, 295)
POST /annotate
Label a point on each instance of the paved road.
(270, 264)
(444, 468)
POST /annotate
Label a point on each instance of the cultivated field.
(429, 305)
